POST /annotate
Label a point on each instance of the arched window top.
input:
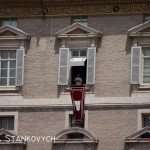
(75, 134)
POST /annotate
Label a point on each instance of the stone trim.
(15, 114)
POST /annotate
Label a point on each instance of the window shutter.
(135, 64)
(19, 66)
(63, 73)
(91, 56)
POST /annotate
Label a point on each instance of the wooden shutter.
(135, 64)
(63, 73)
(20, 66)
(91, 56)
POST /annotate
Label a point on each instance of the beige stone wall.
(112, 67)
(112, 61)
(41, 67)
(40, 124)
(109, 126)
(112, 126)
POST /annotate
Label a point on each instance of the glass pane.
(9, 22)
(4, 54)
(12, 54)
(3, 81)
(83, 53)
(4, 123)
(146, 120)
(146, 79)
(4, 64)
(12, 63)
(11, 123)
(7, 123)
(75, 53)
(3, 72)
(12, 81)
(12, 72)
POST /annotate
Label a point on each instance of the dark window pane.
(4, 54)
(4, 64)
(146, 120)
(12, 81)
(83, 53)
(12, 63)
(3, 81)
(7, 122)
(12, 72)
(4, 73)
(75, 53)
(12, 54)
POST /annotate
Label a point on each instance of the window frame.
(8, 69)
(67, 119)
(15, 115)
(83, 20)
(10, 87)
(8, 20)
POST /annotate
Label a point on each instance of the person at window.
(78, 81)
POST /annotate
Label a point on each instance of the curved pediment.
(142, 29)
(75, 133)
(142, 136)
(78, 30)
(10, 32)
(8, 137)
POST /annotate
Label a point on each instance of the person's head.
(78, 80)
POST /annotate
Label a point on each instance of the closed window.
(146, 65)
(7, 122)
(140, 65)
(7, 68)
(145, 120)
(80, 19)
(11, 22)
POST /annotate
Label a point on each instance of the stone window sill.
(8, 88)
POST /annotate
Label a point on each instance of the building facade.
(45, 45)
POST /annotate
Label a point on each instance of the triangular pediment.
(77, 30)
(142, 135)
(10, 31)
(142, 29)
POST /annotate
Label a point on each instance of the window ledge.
(144, 86)
(8, 88)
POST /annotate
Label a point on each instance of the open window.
(77, 54)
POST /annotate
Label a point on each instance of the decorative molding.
(70, 9)
(140, 30)
(78, 30)
(136, 137)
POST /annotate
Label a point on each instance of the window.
(7, 68)
(11, 21)
(70, 121)
(78, 52)
(146, 17)
(77, 63)
(145, 120)
(7, 122)
(80, 19)
(146, 64)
